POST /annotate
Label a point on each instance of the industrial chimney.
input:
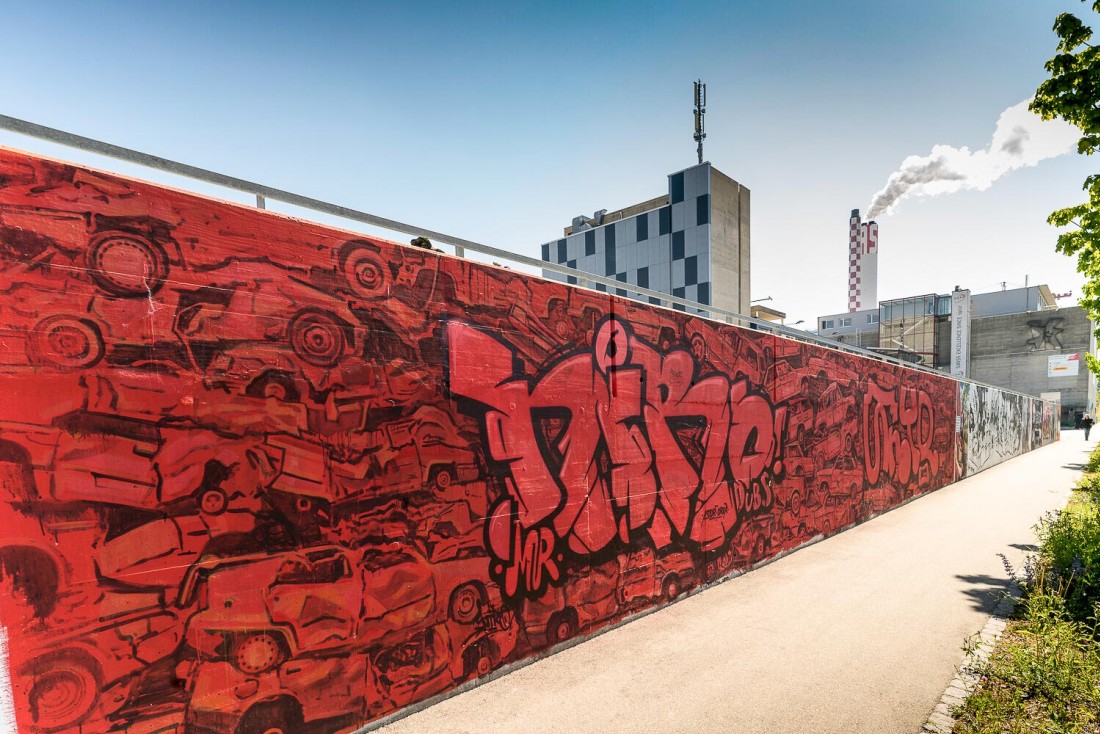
(862, 264)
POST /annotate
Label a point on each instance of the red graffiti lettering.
(611, 440)
(897, 433)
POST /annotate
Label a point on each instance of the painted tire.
(126, 265)
(64, 692)
(213, 502)
(256, 653)
(672, 588)
(65, 342)
(317, 338)
(465, 606)
(363, 270)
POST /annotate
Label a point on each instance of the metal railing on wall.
(264, 193)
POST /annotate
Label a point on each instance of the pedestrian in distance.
(1086, 423)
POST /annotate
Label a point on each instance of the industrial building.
(692, 242)
(1015, 338)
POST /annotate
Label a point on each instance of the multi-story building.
(692, 242)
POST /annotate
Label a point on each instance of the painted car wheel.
(560, 628)
(672, 588)
(318, 338)
(365, 275)
(126, 265)
(258, 653)
(443, 478)
(272, 718)
(65, 342)
(274, 384)
(465, 605)
(213, 502)
(64, 692)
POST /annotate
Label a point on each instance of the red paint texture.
(258, 474)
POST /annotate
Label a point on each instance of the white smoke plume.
(1021, 139)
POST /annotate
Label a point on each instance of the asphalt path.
(861, 632)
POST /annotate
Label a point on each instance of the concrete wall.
(1015, 349)
(730, 243)
(258, 475)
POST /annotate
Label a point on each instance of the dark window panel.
(702, 209)
(664, 216)
(562, 257)
(609, 236)
(643, 227)
(677, 245)
(704, 293)
(546, 252)
(691, 270)
(676, 188)
(643, 277)
(590, 242)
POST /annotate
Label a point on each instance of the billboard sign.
(1063, 365)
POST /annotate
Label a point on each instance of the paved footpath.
(858, 633)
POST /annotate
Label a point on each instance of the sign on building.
(960, 333)
(1063, 365)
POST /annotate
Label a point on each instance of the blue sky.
(499, 122)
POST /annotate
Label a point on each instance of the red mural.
(259, 475)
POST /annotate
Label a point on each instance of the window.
(827, 324)
(872, 318)
(846, 322)
(664, 220)
(676, 188)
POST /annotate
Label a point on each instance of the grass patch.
(1044, 675)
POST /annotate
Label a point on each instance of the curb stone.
(941, 720)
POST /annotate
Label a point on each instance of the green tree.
(1073, 93)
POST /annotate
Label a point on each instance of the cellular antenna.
(700, 110)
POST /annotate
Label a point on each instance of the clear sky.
(500, 121)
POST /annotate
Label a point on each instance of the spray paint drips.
(1021, 139)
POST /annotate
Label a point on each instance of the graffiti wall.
(258, 475)
(997, 426)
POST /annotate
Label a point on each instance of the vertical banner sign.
(960, 333)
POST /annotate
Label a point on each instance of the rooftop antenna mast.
(700, 110)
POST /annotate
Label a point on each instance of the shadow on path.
(985, 591)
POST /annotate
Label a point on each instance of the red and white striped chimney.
(862, 264)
